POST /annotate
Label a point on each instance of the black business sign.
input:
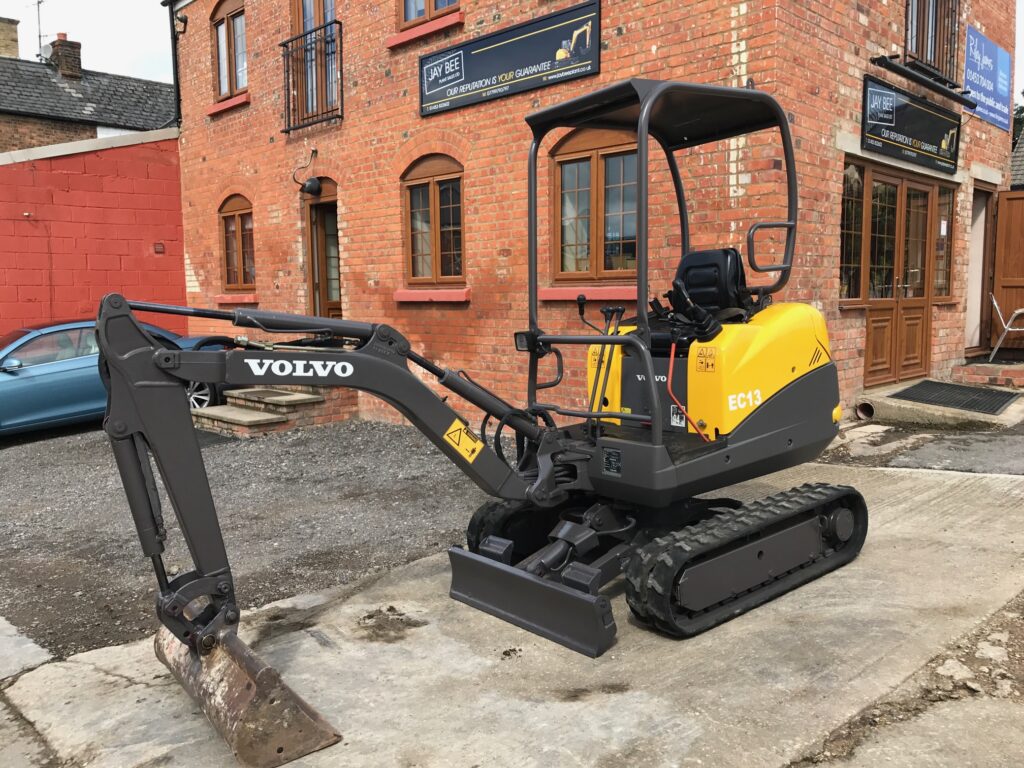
(552, 49)
(907, 127)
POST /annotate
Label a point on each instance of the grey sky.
(130, 37)
(125, 37)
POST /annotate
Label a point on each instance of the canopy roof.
(684, 114)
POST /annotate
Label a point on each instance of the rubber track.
(653, 570)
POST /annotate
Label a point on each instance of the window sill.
(592, 292)
(236, 298)
(427, 28)
(224, 106)
(852, 305)
(431, 295)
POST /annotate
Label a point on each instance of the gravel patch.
(301, 511)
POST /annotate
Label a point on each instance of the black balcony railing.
(312, 76)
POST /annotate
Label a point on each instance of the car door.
(56, 383)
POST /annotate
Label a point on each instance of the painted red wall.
(75, 227)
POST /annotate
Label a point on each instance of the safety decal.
(706, 359)
(462, 439)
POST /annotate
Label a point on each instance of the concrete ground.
(911, 655)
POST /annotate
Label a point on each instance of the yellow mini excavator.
(570, 48)
(718, 386)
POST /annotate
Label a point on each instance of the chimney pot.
(67, 56)
(9, 38)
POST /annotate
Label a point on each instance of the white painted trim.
(850, 144)
(179, 4)
(88, 145)
(983, 172)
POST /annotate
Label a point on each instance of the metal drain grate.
(964, 398)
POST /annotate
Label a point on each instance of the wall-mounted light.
(312, 185)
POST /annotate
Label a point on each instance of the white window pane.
(415, 9)
(241, 61)
(222, 58)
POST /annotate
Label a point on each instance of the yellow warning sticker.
(461, 438)
(706, 359)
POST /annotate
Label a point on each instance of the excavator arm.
(149, 422)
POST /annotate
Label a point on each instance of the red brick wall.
(18, 132)
(93, 221)
(810, 55)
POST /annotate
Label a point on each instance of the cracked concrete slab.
(441, 684)
(17, 652)
(982, 732)
(19, 747)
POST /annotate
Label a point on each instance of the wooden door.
(899, 274)
(1008, 277)
(885, 204)
(324, 261)
(913, 341)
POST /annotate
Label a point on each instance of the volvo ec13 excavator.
(718, 386)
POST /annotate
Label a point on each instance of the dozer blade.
(550, 609)
(263, 720)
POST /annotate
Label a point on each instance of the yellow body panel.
(613, 361)
(730, 376)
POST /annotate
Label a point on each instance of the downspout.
(169, 4)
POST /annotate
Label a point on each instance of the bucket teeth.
(263, 720)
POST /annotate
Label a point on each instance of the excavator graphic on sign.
(569, 50)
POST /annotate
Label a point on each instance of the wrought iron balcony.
(312, 76)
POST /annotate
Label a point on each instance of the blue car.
(49, 375)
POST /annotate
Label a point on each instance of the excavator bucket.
(263, 720)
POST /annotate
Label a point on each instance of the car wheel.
(200, 394)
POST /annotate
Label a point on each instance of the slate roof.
(36, 89)
(1017, 165)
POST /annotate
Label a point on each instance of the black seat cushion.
(715, 279)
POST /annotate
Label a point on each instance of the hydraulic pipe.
(490, 403)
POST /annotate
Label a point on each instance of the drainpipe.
(169, 4)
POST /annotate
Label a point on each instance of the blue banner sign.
(987, 75)
(551, 49)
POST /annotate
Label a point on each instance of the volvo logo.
(309, 368)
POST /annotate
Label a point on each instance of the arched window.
(236, 237)
(230, 63)
(432, 221)
(594, 205)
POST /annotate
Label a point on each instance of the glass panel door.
(915, 245)
(882, 256)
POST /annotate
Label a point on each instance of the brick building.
(421, 221)
(80, 220)
(56, 101)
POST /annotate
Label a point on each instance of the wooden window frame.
(430, 14)
(432, 170)
(945, 58)
(594, 145)
(235, 207)
(902, 179)
(225, 13)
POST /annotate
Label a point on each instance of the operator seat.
(716, 282)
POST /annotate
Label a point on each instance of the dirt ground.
(300, 512)
(988, 662)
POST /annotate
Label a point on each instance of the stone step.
(269, 400)
(242, 417)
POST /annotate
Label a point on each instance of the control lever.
(581, 304)
(706, 325)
